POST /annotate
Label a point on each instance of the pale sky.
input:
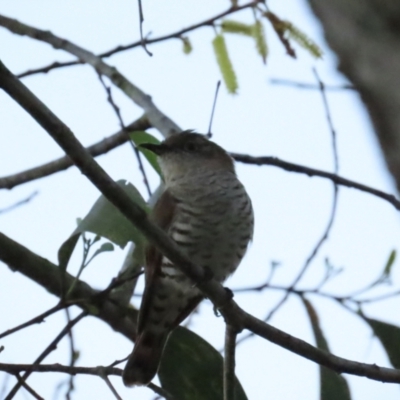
(291, 210)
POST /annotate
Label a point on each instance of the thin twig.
(229, 362)
(19, 203)
(52, 346)
(73, 353)
(117, 282)
(63, 163)
(321, 86)
(118, 49)
(209, 134)
(158, 119)
(313, 86)
(28, 388)
(160, 391)
(288, 166)
(141, 20)
(125, 130)
(37, 320)
(111, 387)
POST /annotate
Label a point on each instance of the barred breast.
(214, 221)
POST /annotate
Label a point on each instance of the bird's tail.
(145, 359)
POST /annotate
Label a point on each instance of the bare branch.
(229, 362)
(37, 320)
(118, 49)
(28, 388)
(66, 369)
(46, 274)
(124, 129)
(111, 387)
(313, 86)
(19, 203)
(96, 371)
(157, 119)
(63, 163)
(287, 166)
(51, 347)
(141, 20)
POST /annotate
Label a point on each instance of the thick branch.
(233, 315)
(49, 276)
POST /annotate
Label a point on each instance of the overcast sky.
(291, 210)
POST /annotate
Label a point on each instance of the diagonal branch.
(220, 297)
(157, 119)
(49, 276)
(51, 347)
(63, 163)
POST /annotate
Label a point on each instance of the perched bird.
(207, 212)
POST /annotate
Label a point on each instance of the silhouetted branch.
(19, 203)
(96, 371)
(221, 299)
(157, 119)
(288, 166)
(313, 86)
(117, 112)
(37, 320)
(28, 388)
(229, 362)
(51, 347)
(63, 163)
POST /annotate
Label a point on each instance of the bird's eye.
(190, 146)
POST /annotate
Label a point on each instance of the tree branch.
(49, 276)
(288, 166)
(229, 362)
(51, 347)
(118, 49)
(232, 313)
(66, 369)
(63, 163)
(157, 119)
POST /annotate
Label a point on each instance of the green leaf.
(230, 26)
(261, 44)
(187, 45)
(224, 63)
(140, 137)
(389, 336)
(389, 264)
(103, 248)
(302, 39)
(332, 385)
(191, 369)
(106, 221)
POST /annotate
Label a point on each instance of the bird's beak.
(158, 149)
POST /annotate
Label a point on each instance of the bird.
(206, 210)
